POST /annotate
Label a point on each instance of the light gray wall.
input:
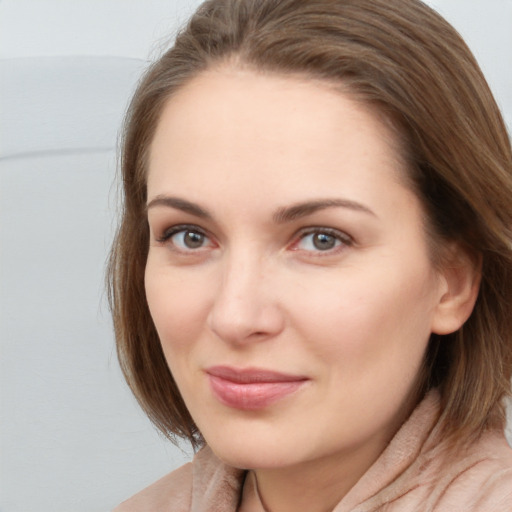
(71, 436)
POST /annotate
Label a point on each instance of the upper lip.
(251, 375)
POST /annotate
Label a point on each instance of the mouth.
(251, 388)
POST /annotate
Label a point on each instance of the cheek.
(178, 314)
(178, 306)
(371, 318)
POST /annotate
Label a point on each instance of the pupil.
(324, 242)
(193, 240)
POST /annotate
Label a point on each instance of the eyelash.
(182, 228)
(342, 240)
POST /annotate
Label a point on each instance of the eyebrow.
(296, 211)
(179, 204)
(280, 216)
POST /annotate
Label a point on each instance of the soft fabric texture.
(412, 474)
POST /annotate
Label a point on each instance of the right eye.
(186, 238)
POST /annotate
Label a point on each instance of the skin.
(253, 289)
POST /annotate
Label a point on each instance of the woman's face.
(288, 273)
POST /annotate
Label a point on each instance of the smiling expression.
(288, 273)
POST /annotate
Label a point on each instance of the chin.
(247, 452)
(252, 459)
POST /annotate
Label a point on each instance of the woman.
(312, 277)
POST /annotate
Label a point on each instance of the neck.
(323, 483)
(320, 484)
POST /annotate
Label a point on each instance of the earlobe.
(461, 276)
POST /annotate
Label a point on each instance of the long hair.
(403, 58)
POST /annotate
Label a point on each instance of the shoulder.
(195, 486)
(420, 470)
(174, 488)
(481, 480)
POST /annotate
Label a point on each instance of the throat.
(283, 496)
(251, 499)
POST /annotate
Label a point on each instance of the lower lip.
(253, 395)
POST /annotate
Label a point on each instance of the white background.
(72, 438)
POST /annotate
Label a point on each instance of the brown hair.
(401, 56)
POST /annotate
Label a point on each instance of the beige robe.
(411, 475)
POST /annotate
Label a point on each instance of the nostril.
(245, 324)
(243, 309)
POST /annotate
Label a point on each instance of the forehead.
(230, 122)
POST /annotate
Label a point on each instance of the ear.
(460, 282)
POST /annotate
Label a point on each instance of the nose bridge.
(245, 305)
(239, 273)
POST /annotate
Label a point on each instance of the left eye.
(323, 241)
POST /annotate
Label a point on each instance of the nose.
(246, 306)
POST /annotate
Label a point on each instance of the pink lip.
(251, 388)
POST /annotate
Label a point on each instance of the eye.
(322, 240)
(186, 238)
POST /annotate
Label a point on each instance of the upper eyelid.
(344, 238)
(324, 229)
(173, 230)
